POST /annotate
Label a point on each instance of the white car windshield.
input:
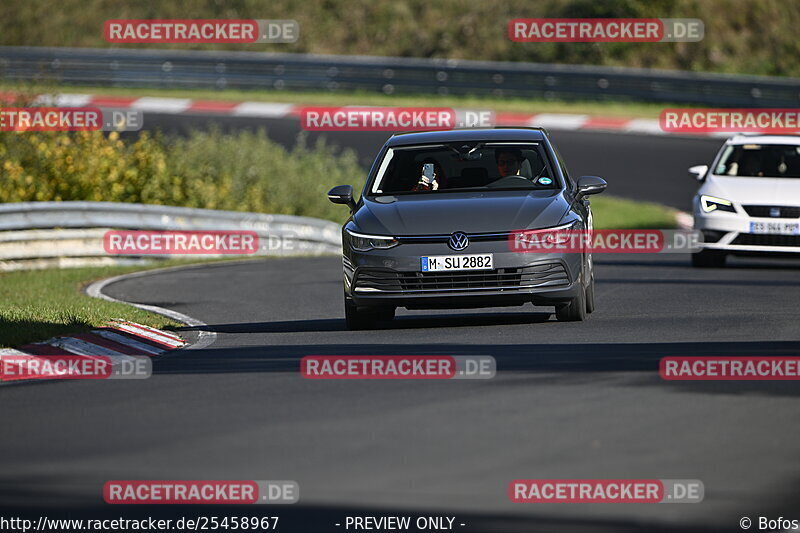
(760, 160)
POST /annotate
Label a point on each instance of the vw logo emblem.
(458, 241)
(775, 211)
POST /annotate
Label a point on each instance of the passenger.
(439, 180)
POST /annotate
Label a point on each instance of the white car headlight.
(712, 203)
(363, 243)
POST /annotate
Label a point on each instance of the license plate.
(437, 263)
(775, 228)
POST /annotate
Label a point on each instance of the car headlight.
(712, 203)
(550, 236)
(363, 243)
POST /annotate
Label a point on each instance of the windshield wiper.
(539, 175)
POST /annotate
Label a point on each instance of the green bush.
(239, 172)
(248, 172)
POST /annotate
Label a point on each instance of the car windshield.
(456, 167)
(760, 160)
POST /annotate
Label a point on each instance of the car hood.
(754, 191)
(474, 212)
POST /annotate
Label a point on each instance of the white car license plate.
(437, 263)
(775, 228)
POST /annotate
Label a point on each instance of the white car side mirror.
(698, 172)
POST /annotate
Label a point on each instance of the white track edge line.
(205, 337)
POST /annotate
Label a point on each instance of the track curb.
(120, 338)
(278, 110)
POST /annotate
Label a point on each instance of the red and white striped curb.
(120, 338)
(572, 122)
(170, 106)
(180, 106)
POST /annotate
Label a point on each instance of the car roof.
(764, 139)
(465, 135)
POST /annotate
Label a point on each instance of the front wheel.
(590, 296)
(366, 318)
(574, 310)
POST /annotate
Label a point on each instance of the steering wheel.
(509, 180)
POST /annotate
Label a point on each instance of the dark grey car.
(434, 222)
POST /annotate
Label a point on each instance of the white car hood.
(754, 191)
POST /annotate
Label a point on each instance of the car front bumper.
(730, 232)
(393, 277)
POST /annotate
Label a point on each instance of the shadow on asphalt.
(404, 322)
(558, 363)
(673, 281)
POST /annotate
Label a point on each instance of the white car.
(749, 200)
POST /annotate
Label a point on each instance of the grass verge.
(36, 305)
(612, 212)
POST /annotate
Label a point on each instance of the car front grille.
(712, 236)
(751, 239)
(766, 211)
(503, 279)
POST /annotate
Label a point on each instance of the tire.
(574, 310)
(369, 318)
(590, 296)
(708, 259)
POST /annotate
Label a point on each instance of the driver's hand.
(425, 183)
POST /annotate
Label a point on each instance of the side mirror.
(698, 172)
(342, 194)
(590, 185)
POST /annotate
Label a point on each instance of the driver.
(509, 161)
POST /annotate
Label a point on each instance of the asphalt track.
(570, 400)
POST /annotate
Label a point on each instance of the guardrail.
(66, 234)
(256, 70)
